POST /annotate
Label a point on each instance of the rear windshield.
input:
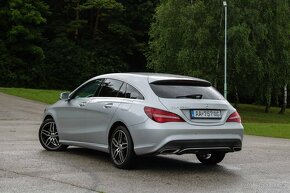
(180, 91)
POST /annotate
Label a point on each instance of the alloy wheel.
(49, 136)
(119, 147)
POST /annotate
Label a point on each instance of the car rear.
(192, 117)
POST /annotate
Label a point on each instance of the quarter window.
(122, 91)
(133, 93)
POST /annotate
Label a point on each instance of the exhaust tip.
(169, 151)
(237, 148)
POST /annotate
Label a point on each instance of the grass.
(255, 114)
(255, 121)
(278, 130)
(44, 96)
(271, 124)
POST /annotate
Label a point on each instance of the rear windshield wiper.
(192, 96)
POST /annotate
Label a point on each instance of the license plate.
(205, 114)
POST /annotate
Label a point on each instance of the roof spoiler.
(175, 82)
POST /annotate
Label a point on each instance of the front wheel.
(210, 158)
(48, 136)
(121, 148)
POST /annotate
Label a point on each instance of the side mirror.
(64, 96)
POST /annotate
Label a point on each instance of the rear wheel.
(48, 136)
(210, 158)
(121, 148)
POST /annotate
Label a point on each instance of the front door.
(72, 114)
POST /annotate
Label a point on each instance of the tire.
(48, 136)
(211, 158)
(121, 148)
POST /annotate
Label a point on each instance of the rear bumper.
(197, 146)
(180, 138)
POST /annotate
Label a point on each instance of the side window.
(122, 91)
(133, 93)
(110, 88)
(88, 90)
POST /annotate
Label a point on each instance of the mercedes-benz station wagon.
(137, 114)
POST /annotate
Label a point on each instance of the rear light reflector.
(234, 117)
(161, 116)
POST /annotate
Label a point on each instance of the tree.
(101, 8)
(282, 48)
(137, 16)
(186, 37)
(84, 46)
(104, 35)
(21, 40)
(244, 65)
(181, 40)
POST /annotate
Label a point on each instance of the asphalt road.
(262, 166)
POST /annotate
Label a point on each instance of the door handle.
(82, 104)
(108, 105)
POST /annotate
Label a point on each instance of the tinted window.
(186, 91)
(133, 93)
(110, 88)
(122, 91)
(88, 90)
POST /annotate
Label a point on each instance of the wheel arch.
(113, 127)
(48, 117)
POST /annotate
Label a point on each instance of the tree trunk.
(92, 20)
(268, 99)
(96, 27)
(218, 56)
(284, 105)
(216, 69)
(237, 100)
(77, 19)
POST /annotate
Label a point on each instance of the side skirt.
(99, 147)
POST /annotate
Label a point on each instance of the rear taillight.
(234, 117)
(162, 116)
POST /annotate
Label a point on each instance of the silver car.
(134, 114)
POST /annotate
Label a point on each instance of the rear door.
(196, 101)
(101, 110)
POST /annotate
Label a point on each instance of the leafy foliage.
(21, 51)
(186, 37)
(61, 43)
